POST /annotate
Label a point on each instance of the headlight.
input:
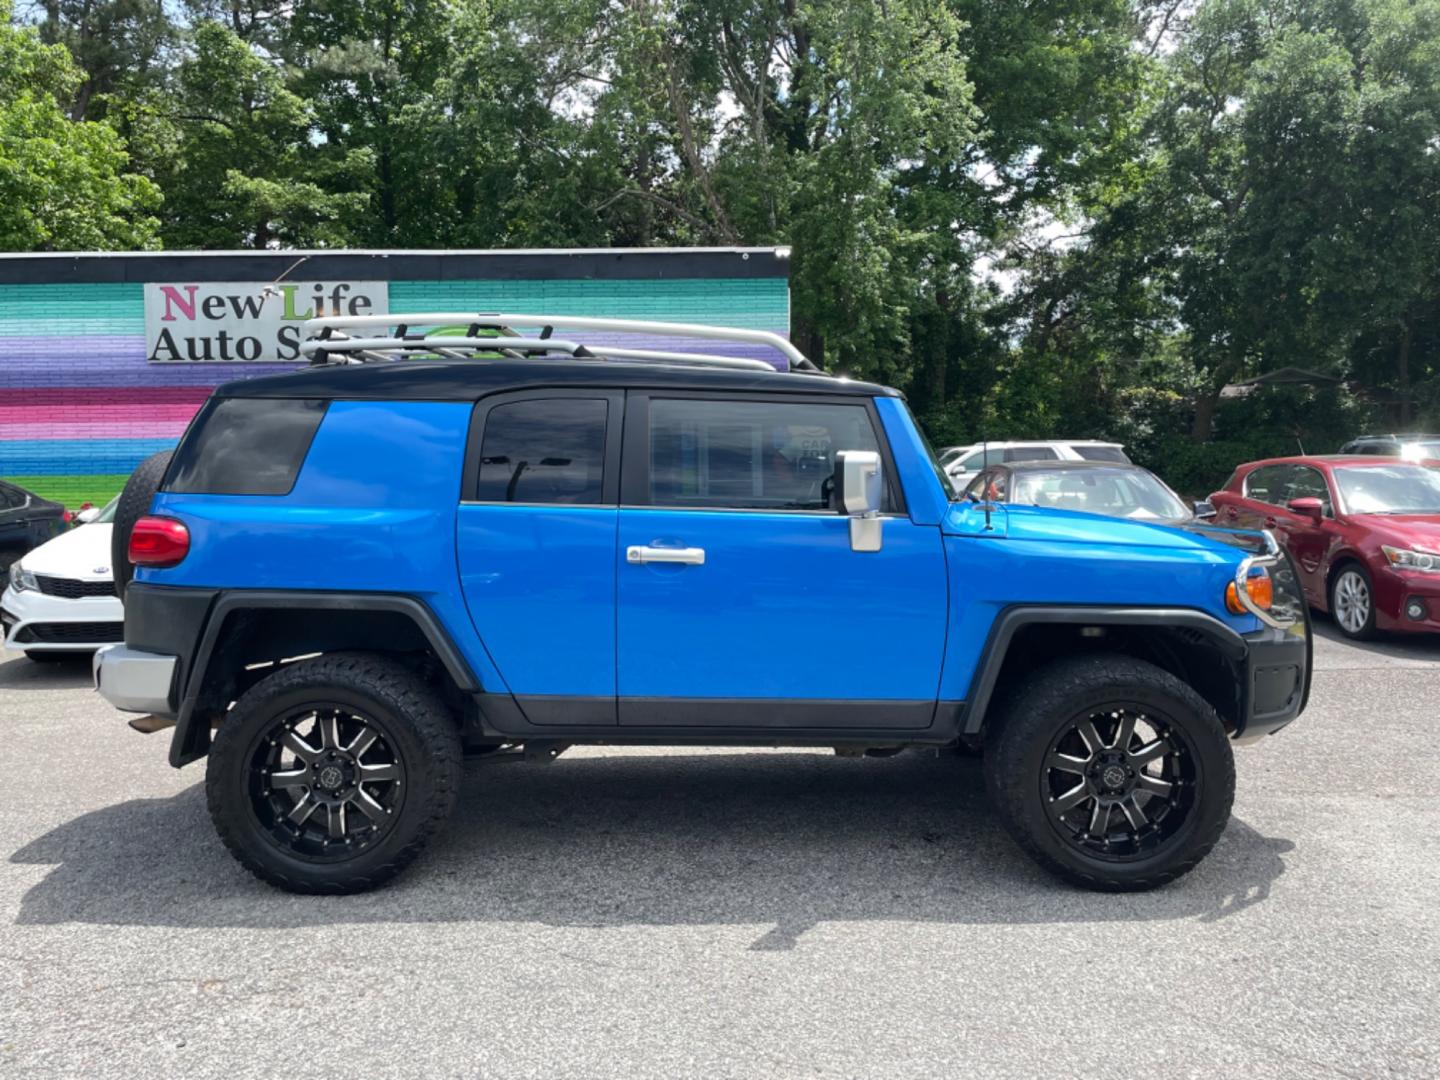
(1265, 586)
(1259, 592)
(1405, 559)
(22, 579)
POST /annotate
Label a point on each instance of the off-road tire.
(413, 715)
(1034, 714)
(135, 499)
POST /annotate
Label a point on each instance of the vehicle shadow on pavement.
(1419, 648)
(21, 673)
(779, 839)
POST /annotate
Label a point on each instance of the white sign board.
(248, 321)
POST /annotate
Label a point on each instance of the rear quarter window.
(1030, 453)
(245, 446)
(1102, 453)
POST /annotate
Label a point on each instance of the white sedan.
(61, 596)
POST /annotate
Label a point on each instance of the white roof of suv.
(976, 456)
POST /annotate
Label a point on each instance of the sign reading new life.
(252, 321)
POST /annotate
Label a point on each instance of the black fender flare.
(1011, 620)
(191, 740)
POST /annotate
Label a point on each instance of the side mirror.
(89, 514)
(1313, 509)
(1204, 510)
(859, 487)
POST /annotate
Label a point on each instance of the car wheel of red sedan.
(1352, 602)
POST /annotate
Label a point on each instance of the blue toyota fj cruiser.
(434, 541)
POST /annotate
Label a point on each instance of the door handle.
(687, 555)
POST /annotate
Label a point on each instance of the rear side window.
(245, 446)
(1102, 453)
(1031, 453)
(981, 458)
(546, 450)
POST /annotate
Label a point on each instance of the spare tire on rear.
(135, 499)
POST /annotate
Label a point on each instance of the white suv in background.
(61, 596)
(963, 462)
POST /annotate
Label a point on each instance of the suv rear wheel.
(1111, 772)
(330, 775)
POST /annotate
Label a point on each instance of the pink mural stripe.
(67, 414)
(106, 429)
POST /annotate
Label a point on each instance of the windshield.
(1390, 489)
(1420, 451)
(1128, 493)
(108, 514)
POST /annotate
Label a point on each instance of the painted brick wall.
(80, 407)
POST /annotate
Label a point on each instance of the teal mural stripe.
(71, 310)
(119, 308)
(752, 303)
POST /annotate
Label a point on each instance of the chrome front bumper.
(134, 681)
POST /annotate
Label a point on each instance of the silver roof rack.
(462, 335)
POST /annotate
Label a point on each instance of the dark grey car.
(26, 522)
(1098, 487)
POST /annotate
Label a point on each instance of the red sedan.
(1364, 533)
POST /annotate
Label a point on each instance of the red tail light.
(158, 541)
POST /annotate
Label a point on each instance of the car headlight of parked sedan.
(1407, 559)
(22, 579)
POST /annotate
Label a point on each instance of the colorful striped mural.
(80, 406)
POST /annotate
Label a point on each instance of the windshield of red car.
(1390, 489)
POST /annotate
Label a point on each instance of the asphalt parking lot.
(722, 913)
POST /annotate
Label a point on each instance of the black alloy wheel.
(1119, 780)
(325, 781)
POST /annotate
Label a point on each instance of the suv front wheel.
(1111, 772)
(330, 775)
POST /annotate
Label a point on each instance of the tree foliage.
(1079, 217)
(63, 183)
(241, 170)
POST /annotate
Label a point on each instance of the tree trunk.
(1207, 402)
(937, 351)
(1205, 406)
(808, 340)
(1402, 372)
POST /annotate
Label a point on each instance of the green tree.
(245, 171)
(1278, 192)
(363, 64)
(63, 184)
(119, 46)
